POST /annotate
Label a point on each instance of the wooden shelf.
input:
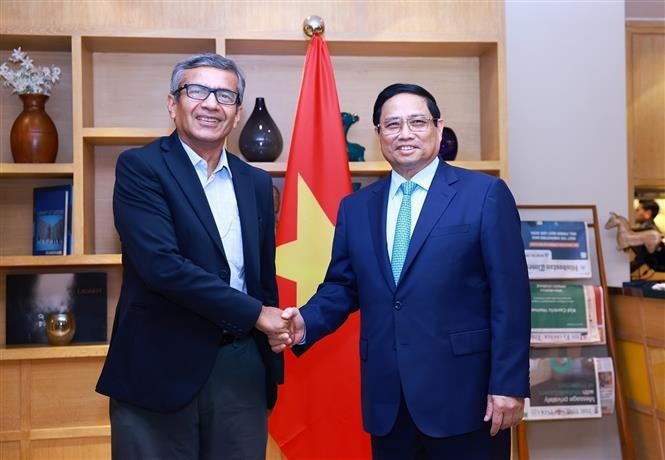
(36, 42)
(59, 261)
(35, 170)
(359, 48)
(121, 136)
(382, 167)
(649, 183)
(148, 45)
(52, 352)
(71, 432)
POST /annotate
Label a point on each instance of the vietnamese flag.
(318, 409)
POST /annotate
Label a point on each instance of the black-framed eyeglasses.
(200, 93)
(416, 124)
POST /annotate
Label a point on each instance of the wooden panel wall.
(358, 20)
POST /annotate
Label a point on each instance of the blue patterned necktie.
(402, 230)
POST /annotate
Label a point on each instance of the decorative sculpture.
(647, 247)
(627, 237)
(355, 152)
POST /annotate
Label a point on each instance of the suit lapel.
(377, 209)
(244, 190)
(178, 162)
(438, 198)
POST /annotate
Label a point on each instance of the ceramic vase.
(260, 139)
(33, 136)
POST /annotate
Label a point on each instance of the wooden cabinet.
(117, 60)
(640, 332)
(645, 53)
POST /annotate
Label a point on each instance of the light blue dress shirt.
(424, 179)
(221, 197)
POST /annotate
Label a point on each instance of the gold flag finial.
(313, 25)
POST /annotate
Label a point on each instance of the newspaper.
(563, 388)
(570, 314)
(606, 390)
(556, 249)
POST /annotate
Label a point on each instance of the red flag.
(318, 410)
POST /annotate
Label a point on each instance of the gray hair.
(206, 60)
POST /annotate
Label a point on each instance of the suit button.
(398, 305)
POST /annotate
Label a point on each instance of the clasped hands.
(284, 328)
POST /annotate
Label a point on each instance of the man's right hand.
(295, 333)
(270, 322)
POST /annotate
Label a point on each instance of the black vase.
(260, 139)
(448, 147)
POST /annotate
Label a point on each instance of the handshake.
(284, 328)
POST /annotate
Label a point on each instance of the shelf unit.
(112, 96)
(114, 104)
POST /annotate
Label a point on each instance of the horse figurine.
(628, 238)
(355, 152)
(647, 247)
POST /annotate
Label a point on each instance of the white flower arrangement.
(26, 78)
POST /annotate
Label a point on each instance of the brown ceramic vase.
(33, 137)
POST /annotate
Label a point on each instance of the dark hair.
(206, 60)
(399, 88)
(650, 205)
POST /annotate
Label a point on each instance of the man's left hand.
(504, 412)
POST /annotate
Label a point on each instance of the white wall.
(566, 88)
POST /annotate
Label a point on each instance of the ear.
(439, 130)
(171, 104)
(236, 118)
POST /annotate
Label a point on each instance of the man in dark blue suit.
(432, 256)
(189, 369)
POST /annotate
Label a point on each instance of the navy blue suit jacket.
(457, 326)
(175, 299)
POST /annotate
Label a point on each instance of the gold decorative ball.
(313, 25)
(60, 328)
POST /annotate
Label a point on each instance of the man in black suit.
(189, 370)
(645, 215)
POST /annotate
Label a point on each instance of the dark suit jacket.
(176, 299)
(457, 326)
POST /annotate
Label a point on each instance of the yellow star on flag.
(305, 259)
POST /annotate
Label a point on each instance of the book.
(556, 249)
(31, 298)
(52, 220)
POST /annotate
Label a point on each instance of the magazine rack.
(588, 214)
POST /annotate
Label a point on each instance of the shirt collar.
(423, 178)
(200, 163)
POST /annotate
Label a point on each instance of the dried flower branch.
(23, 77)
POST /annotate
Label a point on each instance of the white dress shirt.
(424, 179)
(221, 197)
